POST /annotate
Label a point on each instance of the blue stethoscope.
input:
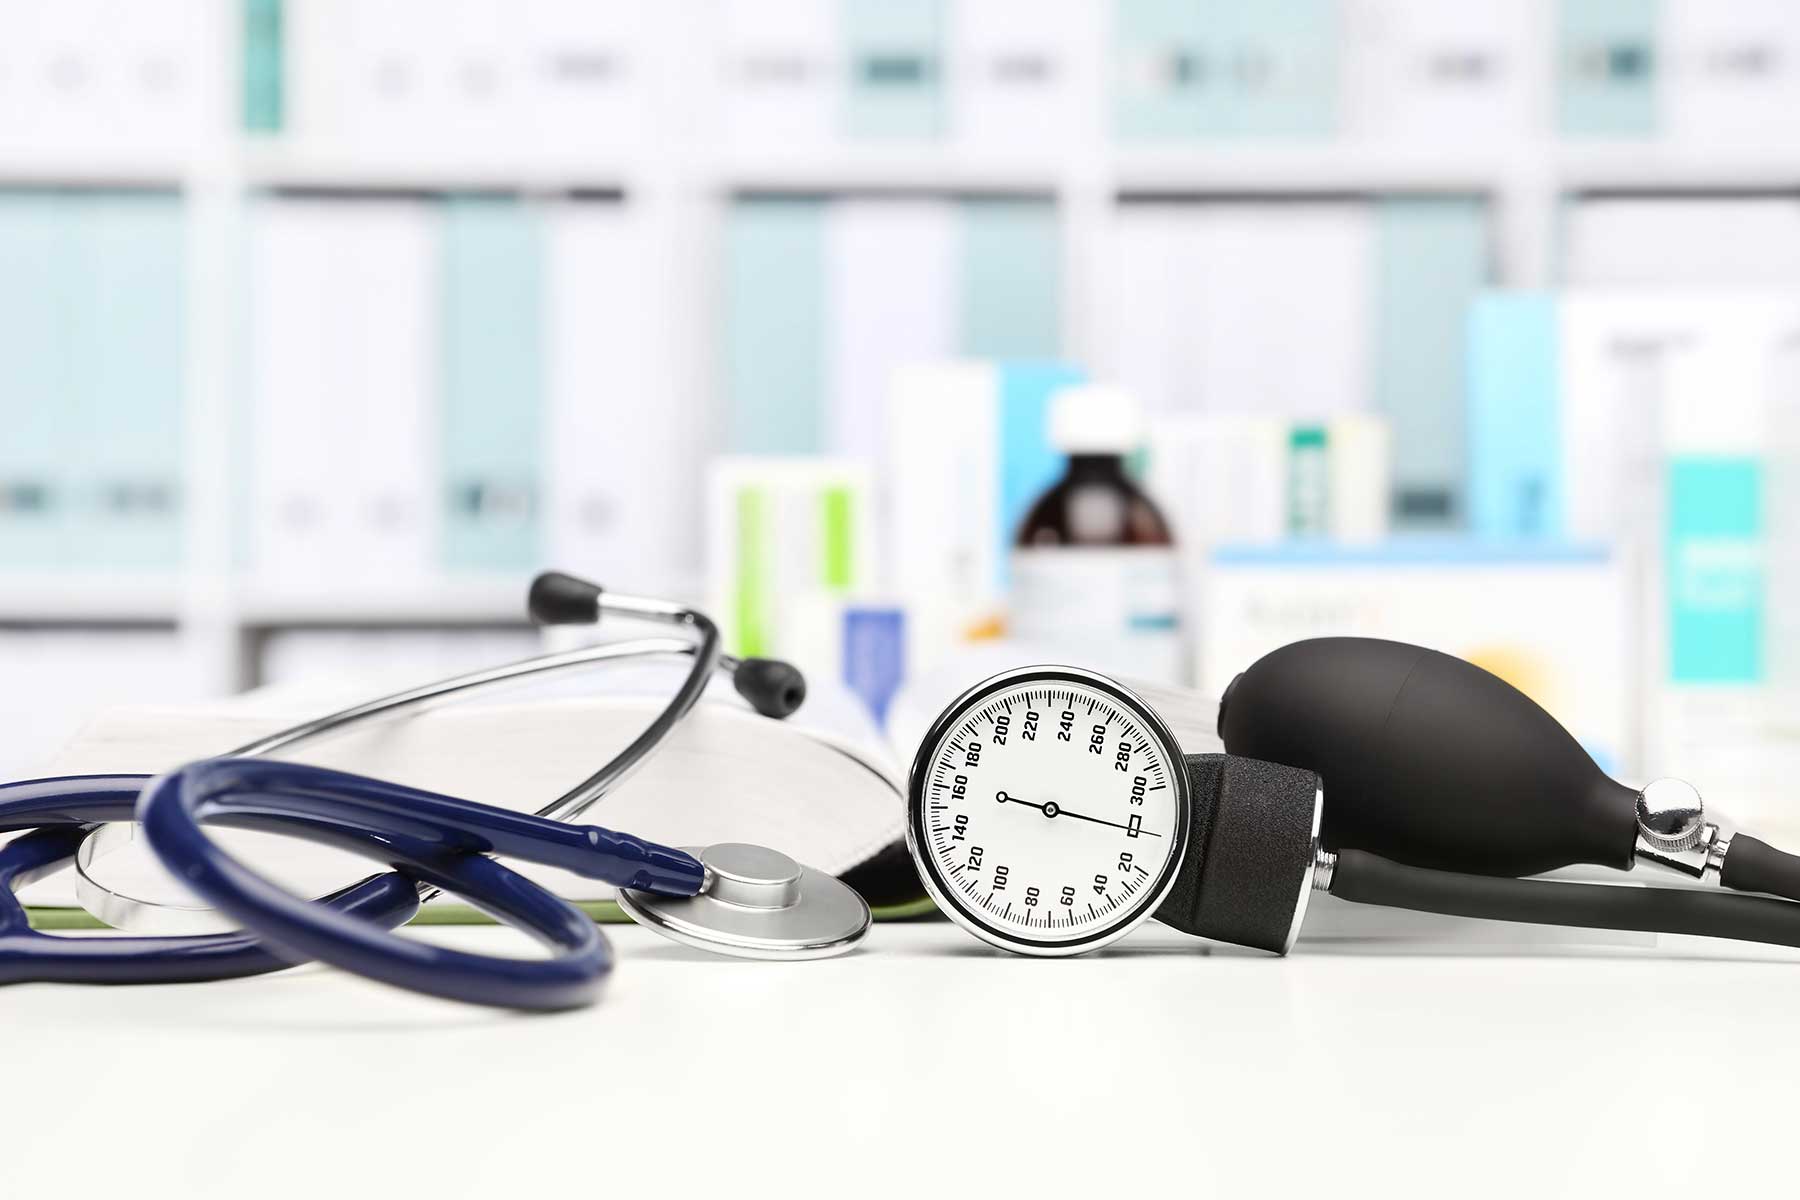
(734, 899)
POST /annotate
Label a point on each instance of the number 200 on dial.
(1047, 811)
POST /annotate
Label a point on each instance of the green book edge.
(604, 912)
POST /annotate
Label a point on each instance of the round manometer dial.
(1047, 811)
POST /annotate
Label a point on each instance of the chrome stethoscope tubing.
(584, 795)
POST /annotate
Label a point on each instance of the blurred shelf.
(1346, 167)
(281, 166)
(82, 598)
(888, 168)
(1323, 167)
(97, 167)
(1651, 166)
(483, 602)
(1197, 168)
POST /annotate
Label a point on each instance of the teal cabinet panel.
(492, 384)
(37, 314)
(127, 481)
(1432, 259)
(1011, 278)
(775, 315)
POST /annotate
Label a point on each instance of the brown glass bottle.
(1095, 503)
(1094, 577)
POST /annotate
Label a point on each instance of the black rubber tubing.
(1752, 865)
(1369, 879)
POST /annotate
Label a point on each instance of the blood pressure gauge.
(1048, 811)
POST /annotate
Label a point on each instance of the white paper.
(1689, 242)
(585, 73)
(1427, 70)
(385, 400)
(345, 472)
(781, 73)
(1733, 72)
(943, 502)
(296, 520)
(1012, 67)
(623, 505)
(891, 290)
(1231, 307)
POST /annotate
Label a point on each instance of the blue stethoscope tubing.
(437, 840)
(430, 840)
(60, 813)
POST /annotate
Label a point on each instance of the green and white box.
(781, 533)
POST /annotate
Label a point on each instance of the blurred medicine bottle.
(1094, 573)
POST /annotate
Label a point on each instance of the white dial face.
(1048, 810)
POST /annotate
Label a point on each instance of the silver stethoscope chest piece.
(757, 903)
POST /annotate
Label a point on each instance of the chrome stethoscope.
(734, 899)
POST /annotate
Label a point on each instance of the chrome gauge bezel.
(947, 898)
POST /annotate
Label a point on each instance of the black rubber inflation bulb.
(1429, 760)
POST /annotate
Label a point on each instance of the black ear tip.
(559, 599)
(773, 688)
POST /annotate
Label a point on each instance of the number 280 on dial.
(1047, 811)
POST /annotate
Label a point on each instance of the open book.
(822, 787)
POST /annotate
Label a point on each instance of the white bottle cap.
(1095, 419)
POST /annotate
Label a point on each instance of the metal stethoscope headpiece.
(732, 899)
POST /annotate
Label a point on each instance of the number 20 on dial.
(1047, 811)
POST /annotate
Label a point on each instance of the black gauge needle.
(1053, 809)
(1049, 810)
(1096, 820)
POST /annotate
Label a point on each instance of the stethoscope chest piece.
(757, 903)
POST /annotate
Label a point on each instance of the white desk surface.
(927, 1065)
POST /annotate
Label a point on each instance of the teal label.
(1714, 570)
(1606, 67)
(896, 80)
(1221, 68)
(1308, 481)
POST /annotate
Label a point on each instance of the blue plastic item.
(61, 813)
(431, 839)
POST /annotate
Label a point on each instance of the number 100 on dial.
(1047, 811)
